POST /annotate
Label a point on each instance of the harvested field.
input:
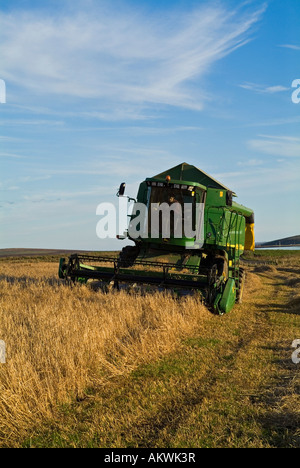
(88, 369)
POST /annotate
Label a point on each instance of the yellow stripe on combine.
(235, 246)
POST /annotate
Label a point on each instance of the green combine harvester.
(205, 261)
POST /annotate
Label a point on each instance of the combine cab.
(189, 235)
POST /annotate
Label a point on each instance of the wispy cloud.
(275, 122)
(291, 46)
(286, 146)
(250, 163)
(264, 180)
(263, 89)
(30, 122)
(6, 138)
(134, 60)
(10, 155)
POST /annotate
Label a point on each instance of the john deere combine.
(188, 234)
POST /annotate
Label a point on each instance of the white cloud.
(276, 89)
(10, 155)
(277, 145)
(291, 46)
(29, 122)
(275, 122)
(263, 89)
(250, 163)
(123, 57)
(263, 181)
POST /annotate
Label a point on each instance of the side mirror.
(121, 190)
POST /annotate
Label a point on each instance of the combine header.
(189, 235)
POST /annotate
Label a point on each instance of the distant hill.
(36, 252)
(286, 242)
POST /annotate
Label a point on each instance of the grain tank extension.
(205, 260)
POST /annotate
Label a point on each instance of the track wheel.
(128, 256)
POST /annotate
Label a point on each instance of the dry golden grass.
(86, 368)
(61, 341)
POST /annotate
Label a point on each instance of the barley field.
(86, 368)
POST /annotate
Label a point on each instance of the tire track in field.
(161, 427)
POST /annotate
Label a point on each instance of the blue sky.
(101, 92)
